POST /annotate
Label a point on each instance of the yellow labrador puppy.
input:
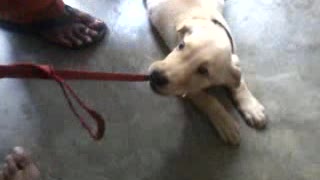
(202, 56)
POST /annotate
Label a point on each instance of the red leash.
(33, 71)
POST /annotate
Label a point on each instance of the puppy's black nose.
(158, 78)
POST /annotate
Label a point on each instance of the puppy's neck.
(193, 25)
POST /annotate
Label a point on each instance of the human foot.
(19, 166)
(73, 29)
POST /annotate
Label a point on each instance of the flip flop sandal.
(35, 28)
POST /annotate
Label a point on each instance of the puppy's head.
(202, 59)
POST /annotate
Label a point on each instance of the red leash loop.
(48, 72)
(67, 90)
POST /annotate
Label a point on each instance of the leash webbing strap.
(33, 71)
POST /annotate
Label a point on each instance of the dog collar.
(228, 33)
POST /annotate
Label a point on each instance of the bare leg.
(19, 166)
(226, 126)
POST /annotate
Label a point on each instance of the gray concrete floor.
(156, 138)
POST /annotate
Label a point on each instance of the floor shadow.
(201, 154)
(161, 44)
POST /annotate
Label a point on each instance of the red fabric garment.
(27, 11)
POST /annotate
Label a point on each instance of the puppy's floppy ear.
(184, 27)
(234, 79)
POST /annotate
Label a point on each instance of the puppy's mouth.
(155, 88)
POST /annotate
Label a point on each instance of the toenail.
(79, 43)
(94, 33)
(9, 158)
(89, 40)
(18, 150)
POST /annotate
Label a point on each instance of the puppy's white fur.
(205, 60)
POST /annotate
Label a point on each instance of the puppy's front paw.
(253, 112)
(228, 131)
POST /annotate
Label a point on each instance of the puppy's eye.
(202, 70)
(181, 45)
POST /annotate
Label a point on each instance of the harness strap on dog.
(33, 71)
(228, 33)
